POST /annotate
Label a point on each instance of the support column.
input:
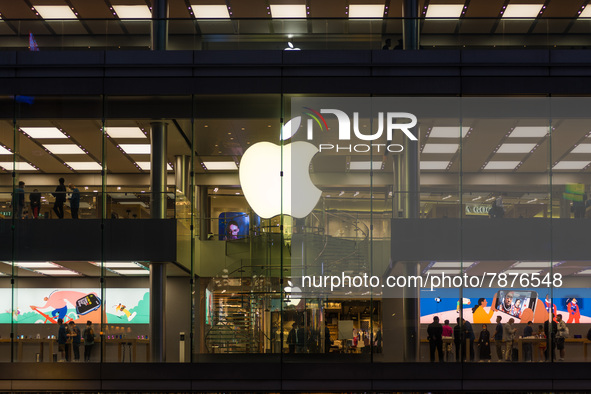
(410, 295)
(181, 174)
(204, 222)
(410, 32)
(158, 312)
(159, 25)
(158, 134)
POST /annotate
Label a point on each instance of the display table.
(51, 346)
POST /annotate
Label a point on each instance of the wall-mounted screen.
(47, 305)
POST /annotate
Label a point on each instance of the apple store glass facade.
(294, 228)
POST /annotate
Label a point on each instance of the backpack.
(88, 335)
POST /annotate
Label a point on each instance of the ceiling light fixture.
(55, 12)
(43, 132)
(64, 149)
(136, 149)
(522, 10)
(444, 11)
(366, 10)
(125, 132)
(210, 11)
(284, 11)
(220, 165)
(133, 11)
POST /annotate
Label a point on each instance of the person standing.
(435, 337)
(484, 344)
(508, 336)
(88, 341)
(60, 199)
(528, 332)
(35, 201)
(378, 341)
(460, 341)
(75, 339)
(292, 338)
(561, 335)
(499, 338)
(74, 201)
(470, 335)
(550, 330)
(327, 340)
(62, 341)
(447, 333)
(18, 201)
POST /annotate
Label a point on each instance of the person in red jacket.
(573, 311)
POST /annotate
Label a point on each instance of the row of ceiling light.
(531, 133)
(53, 269)
(520, 267)
(51, 133)
(283, 11)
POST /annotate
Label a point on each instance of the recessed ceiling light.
(501, 165)
(534, 264)
(582, 148)
(55, 12)
(4, 151)
(512, 271)
(571, 165)
(586, 13)
(448, 131)
(220, 165)
(43, 132)
(441, 148)
(64, 149)
(117, 264)
(288, 10)
(452, 264)
(58, 272)
(136, 149)
(445, 271)
(584, 272)
(444, 10)
(20, 166)
(522, 10)
(529, 132)
(366, 10)
(516, 148)
(125, 132)
(365, 165)
(210, 12)
(133, 11)
(84, 165)
(38, 264)
(434, 165)
(146, 165)
(132, 272)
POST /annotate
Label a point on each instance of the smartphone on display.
(87, 304)
(514, 302)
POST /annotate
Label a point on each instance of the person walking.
(88, 336)
(292, 338)
(74, 201)
(60, 199)
(435, 337)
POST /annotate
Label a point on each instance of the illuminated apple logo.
(261, 181)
